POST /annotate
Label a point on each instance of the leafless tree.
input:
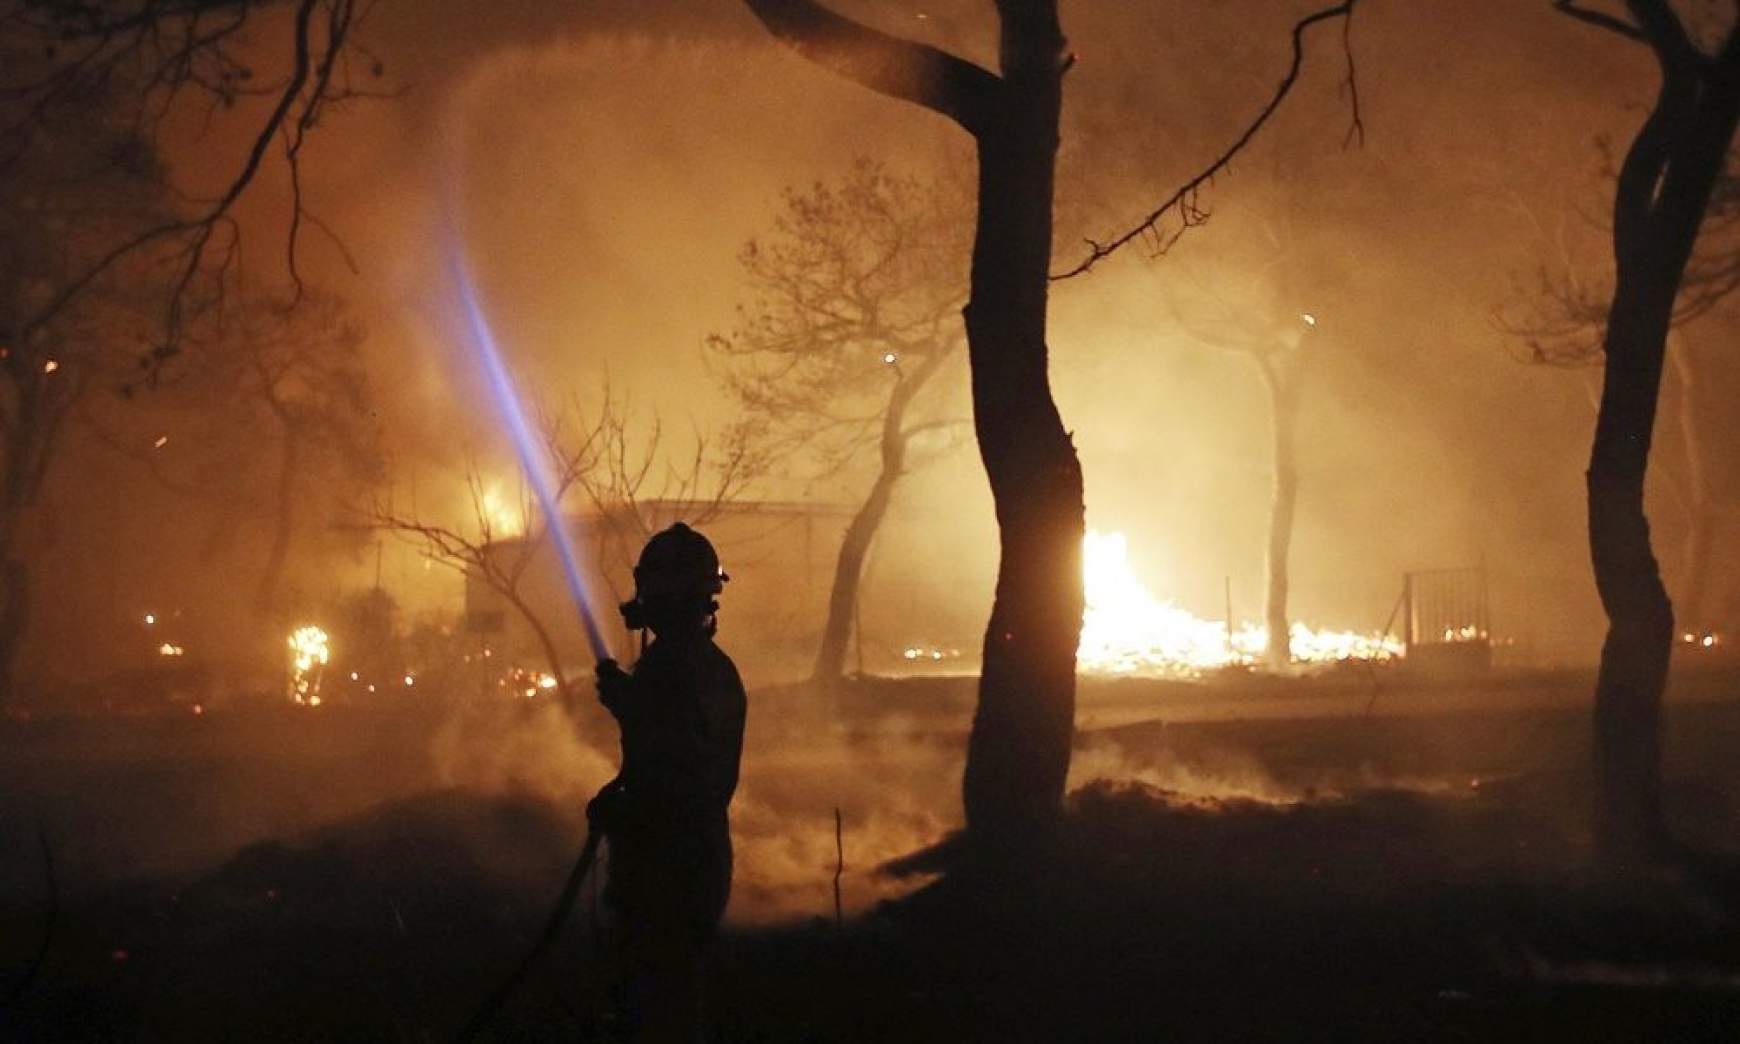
(600, 461)
(1664, 187)
(270, 409)
(84, 89)
(1252, 316)
(856, 308)
(146, 61)
(1558, 317)
(78, 189)
(1019, 749)
(632, 486)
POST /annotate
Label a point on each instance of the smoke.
(893, 779)
(896, 791)
(1221, 774)
(530, 747)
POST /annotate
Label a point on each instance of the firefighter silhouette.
(681, 713)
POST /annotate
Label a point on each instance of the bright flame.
(166, 649)
(310, 650)
(505, 520)
(1126, 630)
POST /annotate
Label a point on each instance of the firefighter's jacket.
(681, 714)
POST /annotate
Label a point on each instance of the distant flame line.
(533, 462)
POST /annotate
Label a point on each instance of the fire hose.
(487, 1012)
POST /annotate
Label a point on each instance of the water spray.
(533, 458)
(535, 463)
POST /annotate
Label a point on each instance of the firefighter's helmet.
(679, 564)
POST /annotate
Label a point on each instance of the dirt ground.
(1349, 858)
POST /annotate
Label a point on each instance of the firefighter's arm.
(615, 687)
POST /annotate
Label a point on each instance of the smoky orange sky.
(605, 161)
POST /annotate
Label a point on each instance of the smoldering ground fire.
(1199, 646)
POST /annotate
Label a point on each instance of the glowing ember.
(309, 653)
(920, 652)
(1126, 630)
(166, 649)
(528, 683)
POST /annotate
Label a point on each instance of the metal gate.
(1446, 620)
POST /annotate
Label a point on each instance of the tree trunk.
(1664, 188)
(855, 546)
(1634, 658)
(1019, 749)
(1018, 752)
(848, 574)
(284, 525)
(1284, 417)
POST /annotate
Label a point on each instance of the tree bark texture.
(1018, 752)
(1663, 190)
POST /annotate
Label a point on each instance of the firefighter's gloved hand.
(613, 685)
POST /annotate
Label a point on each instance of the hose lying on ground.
(490, 1008)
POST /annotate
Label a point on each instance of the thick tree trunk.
(1284, 415)
(1663, 191)
(1634, 658)
(1018, 753)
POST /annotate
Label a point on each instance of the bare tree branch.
(176, 45)
(1183, 204)
(1666, 34)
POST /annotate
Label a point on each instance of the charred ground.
(1418, 872)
